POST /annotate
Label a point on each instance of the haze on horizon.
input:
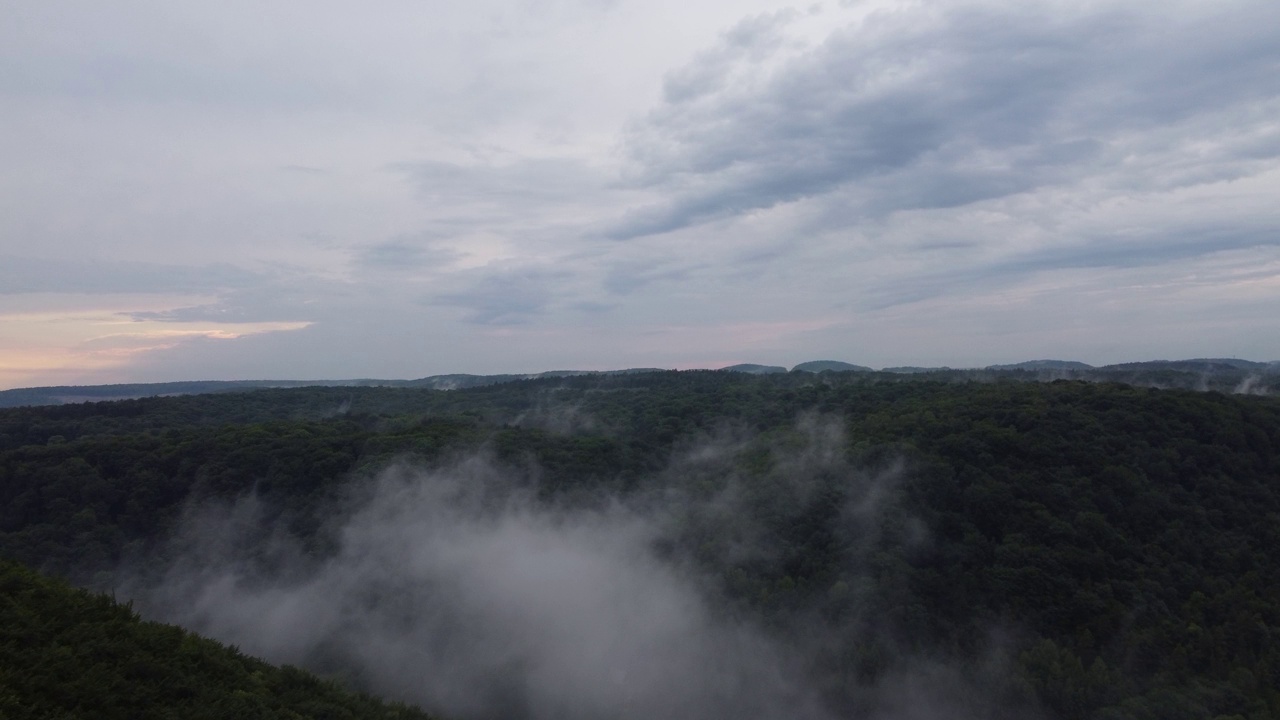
(310, 190)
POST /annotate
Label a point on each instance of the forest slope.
(69, 653)
(1124, 542)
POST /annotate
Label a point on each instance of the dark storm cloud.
(949, 106)
(36, 275)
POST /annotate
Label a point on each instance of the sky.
(320, 190)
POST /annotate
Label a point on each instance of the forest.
(995, 548)
(70, 653)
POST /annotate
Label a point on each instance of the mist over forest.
(689, 544)
(579, 359)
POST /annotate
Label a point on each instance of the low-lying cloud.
(455, 591)
(463, 589)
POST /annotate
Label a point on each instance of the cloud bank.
(944, 105)
(603, 185)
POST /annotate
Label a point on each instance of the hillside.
(1115, 549)
(68, 653)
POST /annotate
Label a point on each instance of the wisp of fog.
(452, 589)
(459, 588)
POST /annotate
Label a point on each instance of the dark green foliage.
(67, 653)
(1124, 542)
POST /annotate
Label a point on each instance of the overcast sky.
(402, 188)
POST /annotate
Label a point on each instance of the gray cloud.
(523, 179)
(752, 39)
(953, 105)
(258, 305)
(19, 274)
(536, 203)
(505, 295)
(1136, 249)
(119, 74)
(627, 277)
(831, 164)
(277, 294)
(405, 255)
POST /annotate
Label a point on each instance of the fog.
(465, 588)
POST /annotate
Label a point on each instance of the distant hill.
(1044, 365)
(461, 381)
(817, 366)
(1197, 365)
(753, 369)
(66, 394)
(1224, 374)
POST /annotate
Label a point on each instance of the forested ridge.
(1121, 545)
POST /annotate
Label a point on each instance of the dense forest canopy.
(1072, 549)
